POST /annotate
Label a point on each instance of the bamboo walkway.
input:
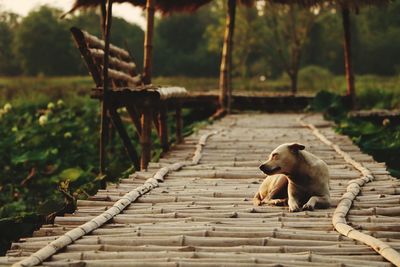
(201, 214)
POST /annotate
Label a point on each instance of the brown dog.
(305, 176)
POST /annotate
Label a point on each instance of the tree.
(181, 45)
(288, 30)
(8, 64)
(43, 44)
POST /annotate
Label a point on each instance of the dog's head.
(282, 160)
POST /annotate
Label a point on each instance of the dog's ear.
(295, 147)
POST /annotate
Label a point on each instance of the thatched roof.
(351, 4)
(165, 6)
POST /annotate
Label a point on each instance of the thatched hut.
(346, 6)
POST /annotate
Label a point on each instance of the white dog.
(305, 176)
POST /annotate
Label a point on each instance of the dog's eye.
(275, 156)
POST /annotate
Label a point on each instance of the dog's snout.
(263, 168)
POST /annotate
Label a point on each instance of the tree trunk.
(148, 42)
(293, 82)
(351, 93)
(225, 84)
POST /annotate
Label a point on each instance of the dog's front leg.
(323, 202)
(293, 200)
(257, 199)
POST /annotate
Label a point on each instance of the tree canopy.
(190, 44)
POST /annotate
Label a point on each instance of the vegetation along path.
(194, 208)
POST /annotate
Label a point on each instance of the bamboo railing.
(346, 201)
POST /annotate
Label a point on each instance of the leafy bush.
(315, 78)
(380, 140)
(376, 98)
(43, 148)
(49, 158)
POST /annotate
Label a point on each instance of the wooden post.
(163, 127)
(225, 84)
(179, 123)
(145, 137)
(351, 91)
(124, 136)
(104, 103)
(135, 117)
(148, 42)
(103, 14)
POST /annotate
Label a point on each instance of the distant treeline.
(190, 44)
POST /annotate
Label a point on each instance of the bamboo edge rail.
(344, 205)
(78, 232)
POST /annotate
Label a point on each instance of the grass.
(45, 89)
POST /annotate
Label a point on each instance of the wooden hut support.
(103, 14)
(135, 117)
(163, 127)
(351, 93)
(179, 122)
(148, 42)
(104, 103)
(225, 83)
(116, 120)
(145, 137)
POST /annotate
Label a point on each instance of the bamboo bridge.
(194, 208)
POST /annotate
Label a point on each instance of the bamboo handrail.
(78, 232)
(344, 205)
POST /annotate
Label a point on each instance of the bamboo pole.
(225, 83)
(123, 202)
(179, 122)
(130, 149)
(145, 137)
(103, 14)
(104, 103)
(344, 206)
(163, 127)
(148, 42)
(351, 91)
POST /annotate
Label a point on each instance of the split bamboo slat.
(194, 208)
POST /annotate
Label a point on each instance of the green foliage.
(180, 47)
(380, 139)
(49, 158)
(39, 146)
(8, 64)
(315, 77)
(43, 45)
(40, 43)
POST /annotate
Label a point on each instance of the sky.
(22, 7)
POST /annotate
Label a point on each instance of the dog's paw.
(308, 206)
(294, 208)
(256, 202)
